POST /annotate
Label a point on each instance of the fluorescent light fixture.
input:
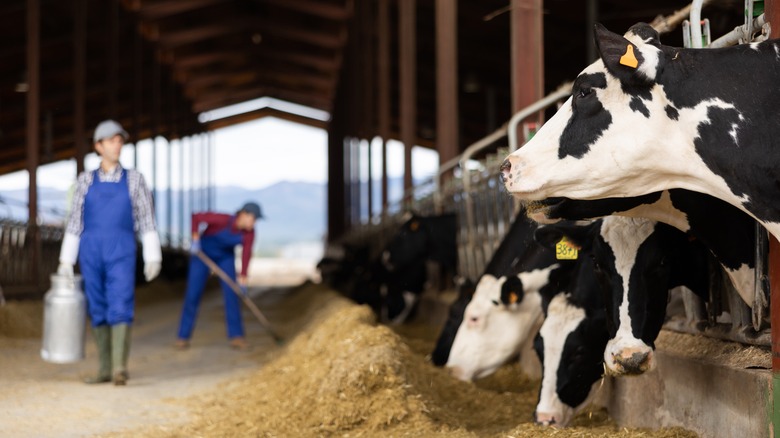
(260, 103)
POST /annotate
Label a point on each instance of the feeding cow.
(647, 117)
(488, 327)
(636, 262)
(418, 240)
(725, 230)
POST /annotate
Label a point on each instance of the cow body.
(725, 230)
(647, 117)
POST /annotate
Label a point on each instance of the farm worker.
(221, 234)
(108, 207)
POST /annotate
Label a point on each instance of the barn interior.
(440, 74)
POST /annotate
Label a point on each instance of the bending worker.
(221, 235)
(109, 206)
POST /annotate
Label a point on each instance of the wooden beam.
(383, 78)
(308, 36)
(266, 112)
(217, 98)
(173, 38)
(317, 8)
(33, 126)
(165, 8)
(527, 53)
(447, 79)
(407, 31)
(79, 84)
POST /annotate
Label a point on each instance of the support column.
(772, 11)
(527, 53)
(447, 79)
(383, 78)
(113, 57)
(138, 91)
(33, 128)
(407, 18)
(79, 81)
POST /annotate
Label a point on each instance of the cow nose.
(632, 361)
(456, 372)
(544, 419)
(505, 168)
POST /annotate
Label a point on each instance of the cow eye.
(585, 92)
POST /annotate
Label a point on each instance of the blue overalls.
(220, 248)
(107, 252)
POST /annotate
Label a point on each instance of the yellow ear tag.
(565, 250)
(628, 59)
(512, 298)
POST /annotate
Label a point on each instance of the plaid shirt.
(140, 198)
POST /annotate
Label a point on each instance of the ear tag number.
(565, 250)
(628, 59)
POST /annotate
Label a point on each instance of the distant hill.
(294, 211)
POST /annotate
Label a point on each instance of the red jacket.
(216, 222)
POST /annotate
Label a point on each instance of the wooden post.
(383, 78)
(33, 131)
(447, 79)
(772, 11)
(79, 81)
(407, 31)
(527, 53)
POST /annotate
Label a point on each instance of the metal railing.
(22, 272)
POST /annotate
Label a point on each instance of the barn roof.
(155, 65)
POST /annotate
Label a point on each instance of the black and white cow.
(637, 261)
(498, 321)
(631, 262)
(647, 117)
(725, 230)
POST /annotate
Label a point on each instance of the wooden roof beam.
(312, 37)
(161, 9)
(172, 38)
(217, 98)
(323, 10)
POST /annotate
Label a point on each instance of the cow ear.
(620, 56)
(548, 235)
(512, 291)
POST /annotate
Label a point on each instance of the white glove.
(152, 270)
(65, 269)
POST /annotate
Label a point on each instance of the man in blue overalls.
(109, 206)
(222, 233)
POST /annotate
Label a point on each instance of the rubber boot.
(103, 340)
(120, 350)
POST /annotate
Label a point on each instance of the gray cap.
(108, 129)
(252, 208)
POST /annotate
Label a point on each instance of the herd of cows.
(662, 158)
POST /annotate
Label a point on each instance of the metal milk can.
(64, 320)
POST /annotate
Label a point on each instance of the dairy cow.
(498, 321)
(725, 230)
(647, 117)
(637, 261)
(632, 263)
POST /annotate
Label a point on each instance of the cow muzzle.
(544, 419)
(506, 172)
(631, 361)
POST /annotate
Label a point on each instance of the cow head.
(630, 259)
(503, 314)
(570, 345)
(610, 138)
(408, 245)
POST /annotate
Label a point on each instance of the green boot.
(120, 350)
(103, 340)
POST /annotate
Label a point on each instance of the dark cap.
(252, 208)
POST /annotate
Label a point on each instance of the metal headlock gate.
(485, 210)
(22, 271)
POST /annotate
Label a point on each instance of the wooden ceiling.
(156, 64)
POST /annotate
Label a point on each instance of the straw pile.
(344, 375)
